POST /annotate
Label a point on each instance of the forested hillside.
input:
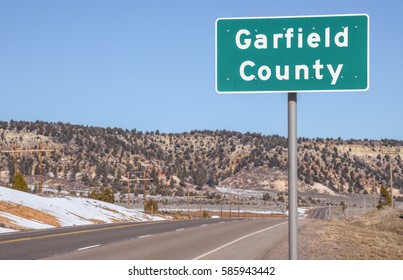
(94, 157)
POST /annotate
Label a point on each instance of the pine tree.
(94, 195)
(19, 183)
(151, 205)
(385, 199)
(108, 196)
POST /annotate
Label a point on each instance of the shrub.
(107, 195)
(151, 203)
(281, 198)
(385, 199)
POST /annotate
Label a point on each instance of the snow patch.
(69, 211)
(24, 222)
(6, 230)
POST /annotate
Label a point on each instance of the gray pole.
(292, 176)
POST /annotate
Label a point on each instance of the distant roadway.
(193, 239)
(321, 213)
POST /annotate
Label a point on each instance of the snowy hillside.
(23, 211)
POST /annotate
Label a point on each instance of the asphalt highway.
(194, 239)
(321, 213)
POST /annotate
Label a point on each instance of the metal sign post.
(292, 176)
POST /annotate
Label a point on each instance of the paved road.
(44, 243)
(195, 239)
(321, 213)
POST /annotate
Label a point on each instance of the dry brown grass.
(375, 236)
(28, 213)
(7, 223)
(95, 221)
(108, 209)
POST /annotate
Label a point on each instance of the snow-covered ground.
(242, 192)
(67, 211)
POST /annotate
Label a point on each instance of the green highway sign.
(292, 54)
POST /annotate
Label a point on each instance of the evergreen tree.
(108, 196)
(19, 183)
(171, 183)
(151, 205)
(385, 199)
(266, 197)
(94, 195)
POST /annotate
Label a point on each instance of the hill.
(88, 157)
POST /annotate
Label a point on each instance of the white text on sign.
(249, 71)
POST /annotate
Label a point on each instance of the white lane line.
(204, 225)
(236, 240)
(180, 229)
(144, 236)
(221, 222)
(89, 247)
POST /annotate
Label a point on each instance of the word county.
(248, 69)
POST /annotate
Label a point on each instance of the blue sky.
(151, 65)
